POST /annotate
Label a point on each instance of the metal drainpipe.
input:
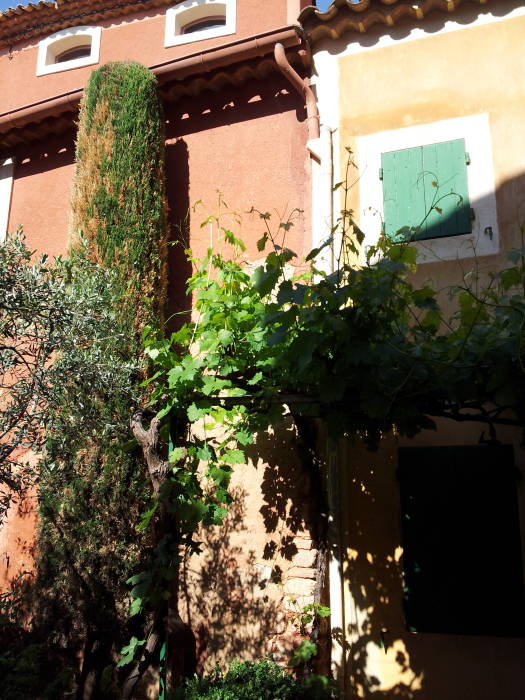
(332, 217)
(327, 183)
(303, 88)
(327, 163)
(335, 566)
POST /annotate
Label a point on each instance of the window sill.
(193, 37)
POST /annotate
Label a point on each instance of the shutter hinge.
(380, 173)
(472, 214)
(467, 158)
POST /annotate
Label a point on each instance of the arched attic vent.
(195, 20)
(74, 47)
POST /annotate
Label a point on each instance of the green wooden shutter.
(403, 194)
(425, 191)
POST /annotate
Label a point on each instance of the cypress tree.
(119, 201)
(93, 483)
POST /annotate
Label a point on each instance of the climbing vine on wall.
(365, 349)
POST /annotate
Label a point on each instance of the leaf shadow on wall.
(375, 638)
(224, 598)
(286, 489)
(384, 659)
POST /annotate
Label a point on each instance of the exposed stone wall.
(257, 571)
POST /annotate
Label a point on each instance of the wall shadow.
(54, 152)
(287, 507)
(223, 596)
(233, 104)
(372, 568)
(17, 545)
(178, 304)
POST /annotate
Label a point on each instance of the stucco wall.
(43, 178)
(383, 659)
(445, 75)
(257, 570)
(247, 142)
(450, 66)
(17, 543)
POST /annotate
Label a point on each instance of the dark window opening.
(74, 53)
(200, 24)
(460, 529)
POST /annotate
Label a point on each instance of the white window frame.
(193, 11)
(6, 188)
(475, 129)
(65, 40)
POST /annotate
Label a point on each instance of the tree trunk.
(180, 641)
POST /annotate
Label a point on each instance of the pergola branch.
(477, 418)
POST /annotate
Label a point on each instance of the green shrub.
(261, 680)
(30, 673)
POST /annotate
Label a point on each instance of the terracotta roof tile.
(344, 16)
(36, 19)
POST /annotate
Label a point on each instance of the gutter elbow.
(302, 86)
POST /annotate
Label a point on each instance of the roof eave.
(345, 17)
(244, 59)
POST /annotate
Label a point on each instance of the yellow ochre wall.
(382, 659)
(441, 76)
(475, 70)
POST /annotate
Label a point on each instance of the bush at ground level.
(261, 680)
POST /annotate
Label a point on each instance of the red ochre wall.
(17, 542)
(139, 37)
(247, 142)
(40, 200)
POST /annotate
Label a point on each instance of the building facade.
(237, 129)
(426, 603)
(422, 92)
